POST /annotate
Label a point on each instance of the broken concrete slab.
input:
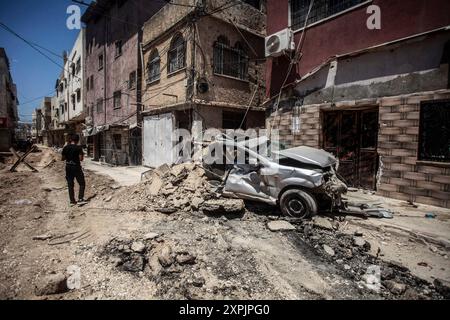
(155, 185)
(395, 287)
(150, 236)
(185, 259)
(165, 256)
(280, 225)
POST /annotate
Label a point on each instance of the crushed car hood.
(310, 156)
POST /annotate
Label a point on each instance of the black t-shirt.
(72, 153)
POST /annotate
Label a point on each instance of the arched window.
(230, 61)
(153, 69)
(177, 54)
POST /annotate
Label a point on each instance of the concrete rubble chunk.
(323, 223)
(135, 263)
(138, 246)
(395, 287)
(361, 243)
(328, 250)
(165, 256)
(280, 225)
(223, 206)
(151, 236)
(51, 284)
(155, 185)
(185, 259)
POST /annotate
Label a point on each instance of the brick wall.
(403, 176)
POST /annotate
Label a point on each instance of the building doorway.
(352, 136)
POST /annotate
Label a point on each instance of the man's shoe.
(72, 204)
(82, 202)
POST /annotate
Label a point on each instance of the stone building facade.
(204, 69)
(8, 104)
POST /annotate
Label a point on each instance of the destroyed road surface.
(172, 237)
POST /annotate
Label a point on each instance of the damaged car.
(301, 180)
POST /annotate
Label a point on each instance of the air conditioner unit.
(279, 43)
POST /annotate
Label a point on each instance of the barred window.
(117, 99)
(434, 136)
(153, 67)
(177, 54)
(99, 105)
(230, 61)
(321, 10)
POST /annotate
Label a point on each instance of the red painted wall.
(348, 32)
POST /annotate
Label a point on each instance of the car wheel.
(297, 203)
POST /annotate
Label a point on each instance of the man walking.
(73, 154)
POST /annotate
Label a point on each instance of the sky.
(44, 23)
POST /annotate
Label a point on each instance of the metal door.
(157, 144)
(351, 135)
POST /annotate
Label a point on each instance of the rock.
(154, 265)
(411, 294)
(443, 287)
(135, 263)
(196, 202)
(108, 199)
(185, 259)
(358, 233)
(198, 282)
(165, 256)
(328, 250)
(51, 284)
(280, 225)
(42, 237)
(223, 206)
(395, 287)
(322, 223)
(156, 185)
(361, 243)
(151, 236)
(138, 246)
(74, 278)
(387, 273)
(347, 267)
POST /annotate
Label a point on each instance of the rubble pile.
(182, 187)
(352, 257)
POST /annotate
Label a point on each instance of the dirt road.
(129, 251)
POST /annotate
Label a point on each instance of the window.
(117, 140)
(434, 134)
(78, 95)
(92, 83)
(153, 66)
(72, 100)
(117, 99)
(87, 84)
(132, 80)
(99, 105)
(230, 61)
(118, 48)
(321, 10)
(78, 68)
(177, 54)
(62, 108)
(100, 62)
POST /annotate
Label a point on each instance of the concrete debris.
(138, 246)
(280, 225)
(185, 258)
(223, 206)
(151, 236)
(395, 287)
(74, 277)
(361, 243)
(328, 250)
(165, 257)
(51, 284)
(135, 263)
(443, 287)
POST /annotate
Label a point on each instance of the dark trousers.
(75, 172)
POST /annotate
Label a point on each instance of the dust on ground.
(173, 237)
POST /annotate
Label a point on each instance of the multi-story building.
(8, 104)
(367, 81)
(204, 68)
(45, 117)
(113, 67)
(57, 127)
